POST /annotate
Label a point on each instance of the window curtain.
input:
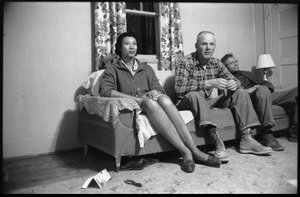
(171, 36)
(110, 21)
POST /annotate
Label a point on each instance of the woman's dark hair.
(118, 45)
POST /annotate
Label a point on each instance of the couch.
(119, 138)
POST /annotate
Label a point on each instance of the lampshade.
(265, 61)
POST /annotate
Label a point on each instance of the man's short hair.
(225, 57)
(204, 32)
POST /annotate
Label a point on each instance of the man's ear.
(196, 45)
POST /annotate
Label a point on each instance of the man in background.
(263, 97)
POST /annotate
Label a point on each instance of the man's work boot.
(268, 139)
(220, 152)
(293, 133)
(249, 145)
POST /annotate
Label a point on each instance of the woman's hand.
(153, 94)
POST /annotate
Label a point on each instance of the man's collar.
(197, 62)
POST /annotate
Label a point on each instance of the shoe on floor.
(269, 140)
(188, 166)
(249, 145)
(133, 165)
(138, 164)
(221, 154)
(211, 161)
(293, 134)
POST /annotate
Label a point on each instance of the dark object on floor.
(188, 166)
(5, 175)
(139, 164)
(293, 134)
(131, 182)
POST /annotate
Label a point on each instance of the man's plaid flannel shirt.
(190, 75)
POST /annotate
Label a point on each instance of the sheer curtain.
(171, 44)
(110, 21)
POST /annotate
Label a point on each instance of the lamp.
(265, 61)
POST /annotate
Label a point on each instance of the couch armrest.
(106, 107)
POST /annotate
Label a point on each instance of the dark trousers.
(263, 100)
(238, 101)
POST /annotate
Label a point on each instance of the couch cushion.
(186, 115)
(167, 81)
(279, 112)
(169, 86)
(92, 82)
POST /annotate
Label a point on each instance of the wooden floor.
(66, 172)
(46, 169)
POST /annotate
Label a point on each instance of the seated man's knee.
(262, 90)
(241, 92)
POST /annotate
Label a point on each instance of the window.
(142, 19)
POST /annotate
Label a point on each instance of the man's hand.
(232, 85)
(252, 89)
(219, 83)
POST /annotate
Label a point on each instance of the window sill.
(151, 59)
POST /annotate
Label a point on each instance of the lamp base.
(266, 78)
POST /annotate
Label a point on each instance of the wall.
(234, 24)
(47, 55)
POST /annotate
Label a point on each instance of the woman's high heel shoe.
(211, 161)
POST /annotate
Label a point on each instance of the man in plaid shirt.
(195, 77)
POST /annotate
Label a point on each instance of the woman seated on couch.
(129, 78)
